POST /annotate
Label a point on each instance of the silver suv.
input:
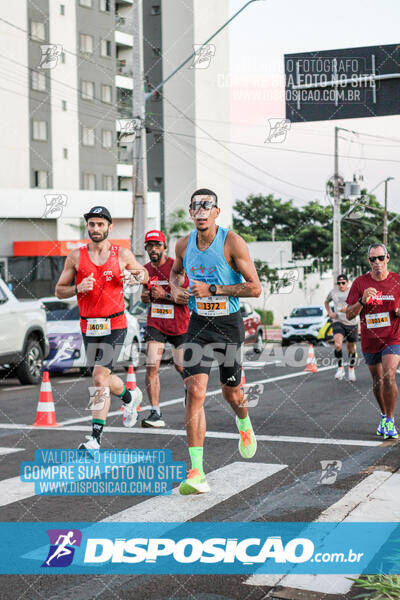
(23, 336)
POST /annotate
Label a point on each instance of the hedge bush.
(267, 316)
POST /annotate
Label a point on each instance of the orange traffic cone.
(311, 365)
(243, 378)
(131, 382)
(46, 414)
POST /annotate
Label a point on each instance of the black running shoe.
(153, 420)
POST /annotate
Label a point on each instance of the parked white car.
(67, 350)
(303, 324)
(23, 336)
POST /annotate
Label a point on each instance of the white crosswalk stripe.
(10, 450)
(373, 499)
(225, 482)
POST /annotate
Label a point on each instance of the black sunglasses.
(381, 257)
(341, 282)
(204, 204)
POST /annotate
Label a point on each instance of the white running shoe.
(130, 410)
(91, 444)
(340, 373)
(352, 374)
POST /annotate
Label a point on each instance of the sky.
(259, 38)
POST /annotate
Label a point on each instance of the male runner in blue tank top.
(220, 271)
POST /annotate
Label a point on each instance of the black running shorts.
(349, 332)
(104, 350)
(152, 334)
(218, 338)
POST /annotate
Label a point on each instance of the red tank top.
(164, 315)
(107, 296)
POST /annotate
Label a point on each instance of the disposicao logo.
(62, 547)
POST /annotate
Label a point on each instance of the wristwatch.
(360, 301)
(168, 296)
(213, 289)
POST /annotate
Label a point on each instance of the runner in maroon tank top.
(166, 321)
(98, 270)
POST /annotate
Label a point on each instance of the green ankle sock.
(196, 456)
(244, 424)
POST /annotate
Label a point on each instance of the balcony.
(123, 24)
(125, 156)
(124, 68)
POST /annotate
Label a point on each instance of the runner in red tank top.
(166, 321)
(98, 270)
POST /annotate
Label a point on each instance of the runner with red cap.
(98, 270)
(166, 321)
(375, 296)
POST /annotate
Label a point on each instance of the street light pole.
(337, 243)
(385, 213)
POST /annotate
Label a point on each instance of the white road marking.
(14, 490)
(375, 499)
(10, 450)
(210, 393)
(21, 388)
(224, 482)
(211, 434)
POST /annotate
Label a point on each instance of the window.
(155, 10)
(108, 182)
(39, 131)
(158, 181)
(105, 48)
(87, 90)
(105, 5)
(86, 3)
(40, 179)
(65, 152)
(64, 105)
(38, 81)
(89, 181)
(63, 58)
(106, 93)
(38, 30)
(106, 138)
(87, 136)
(62, 10)
(86, 43)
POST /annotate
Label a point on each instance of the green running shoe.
(381, 427)
(247, 442)
(195, 483)
(390, 430)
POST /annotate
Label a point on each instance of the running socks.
(97, 428)
(196, 456)
(244, 424)
(126, 396)
(339, 356)
(352, 360)
(157, 409)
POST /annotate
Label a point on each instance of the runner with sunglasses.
(375, 296)
(166, 321)
(343, 328)
(220, 271)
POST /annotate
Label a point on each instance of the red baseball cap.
(154, 236)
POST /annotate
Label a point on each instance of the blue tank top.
(211, 266)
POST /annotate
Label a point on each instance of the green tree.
(178, 224)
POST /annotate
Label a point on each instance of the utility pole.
(385, 213)
(139, 176)
(337, 243)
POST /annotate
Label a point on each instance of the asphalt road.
(300, 418)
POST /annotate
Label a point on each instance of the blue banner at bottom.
(208, 548)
